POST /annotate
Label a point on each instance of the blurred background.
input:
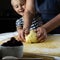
(8, 17)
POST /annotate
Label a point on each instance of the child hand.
(21, 35)
(41, 34)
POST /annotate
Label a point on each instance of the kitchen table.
(48, 49)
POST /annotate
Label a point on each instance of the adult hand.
(41, 34)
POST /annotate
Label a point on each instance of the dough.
(31, 38)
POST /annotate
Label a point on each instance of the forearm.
(29, 13)
(52, 24)
(28, 19)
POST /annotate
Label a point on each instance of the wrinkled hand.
(41, 34)
(22, 33)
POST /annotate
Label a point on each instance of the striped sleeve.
(19, 22)
(36, 22)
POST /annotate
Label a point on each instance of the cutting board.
(50, 47)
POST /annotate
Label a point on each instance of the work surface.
(51, 47)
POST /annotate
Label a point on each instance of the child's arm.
(19, 27)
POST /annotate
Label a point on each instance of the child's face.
(19, 6)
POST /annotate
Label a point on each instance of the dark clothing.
(48, 10)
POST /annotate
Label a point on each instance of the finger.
(42, 40)
(38, 29)
(39, 34)
(45, 34)
(19, 38)
(43, 37)
(35, 30)
(22, 37)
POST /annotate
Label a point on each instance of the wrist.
(19, 28)
(44, 29)
(26, 26)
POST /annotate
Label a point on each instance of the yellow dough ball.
(31, 38)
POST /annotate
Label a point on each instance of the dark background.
(8, 17)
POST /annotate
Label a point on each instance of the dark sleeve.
(19, 23)
(58, 5)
